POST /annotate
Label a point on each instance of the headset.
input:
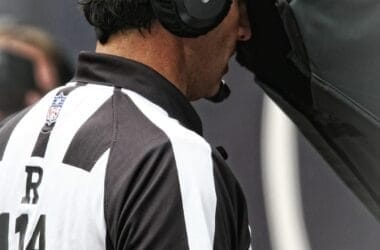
(190, 18)
(193, 18)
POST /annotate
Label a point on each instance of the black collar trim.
(120, 72)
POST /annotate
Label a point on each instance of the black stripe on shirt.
(92, 139)
(143, 203)
(7, 129)
(43, 138)
(231, 213)
(4, 220)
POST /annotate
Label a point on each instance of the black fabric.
(354, 137)
(141, 182)
(124, 73)
(316, 60)
(4, 232)
(268, 54)
(342, 41)
(41, 144)
(230, 198)
(6, 128)
(92, 139)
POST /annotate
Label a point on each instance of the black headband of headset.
(190, 18)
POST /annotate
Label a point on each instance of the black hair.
(112, 16)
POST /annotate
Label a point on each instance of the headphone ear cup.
(174, 16)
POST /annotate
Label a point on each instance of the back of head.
(183, 18)
(113, 16)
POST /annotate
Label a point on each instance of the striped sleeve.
(193, 165)
(162, 190)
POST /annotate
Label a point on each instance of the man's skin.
(194, 65)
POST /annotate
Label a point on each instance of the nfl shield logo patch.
(55, 108)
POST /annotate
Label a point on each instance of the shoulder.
(154, 123)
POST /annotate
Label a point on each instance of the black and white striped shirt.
(115, 160)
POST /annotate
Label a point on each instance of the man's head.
(196, 65)
(185, 18)
(211, 52)
(113, 16)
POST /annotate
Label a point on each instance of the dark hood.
(319, 61)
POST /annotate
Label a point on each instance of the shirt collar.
(120, 72)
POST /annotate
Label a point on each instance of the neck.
(157, 49)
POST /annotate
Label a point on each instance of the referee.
(115, 159)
